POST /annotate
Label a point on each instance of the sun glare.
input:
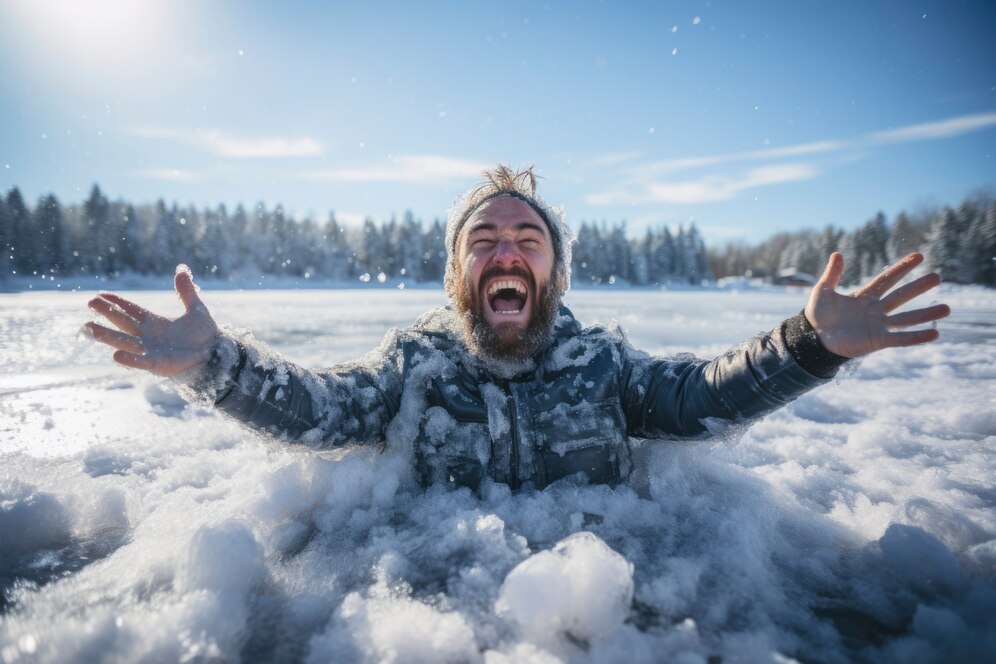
(92, 32)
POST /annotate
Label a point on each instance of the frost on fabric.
(576, 352)
(205, 383)
(496, 402)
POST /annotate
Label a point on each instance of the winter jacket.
(570, 412)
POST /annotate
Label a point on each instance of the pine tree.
(944, 246)
(874, 238)
(434, 252)
(22, 234)
(619, 255)
(370, 251)
(827, 241)
(810, 262)
(988, 257)
(980, 247)
(904, 237)
(339, 258)
(663, 266)
(408, 240)
(580, 270)
(261, 250)
(132, 241)
(92, 241)
(53, 246)
(161, 256)
(235, 250)
(849, 247)
(6, 240)
(212, 251)
(640, 251)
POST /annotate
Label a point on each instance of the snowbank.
(855, 524)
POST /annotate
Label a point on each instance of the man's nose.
(507, 253)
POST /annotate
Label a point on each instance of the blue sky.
(746, 117)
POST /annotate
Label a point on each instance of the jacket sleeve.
(349, 403)
(684, 396)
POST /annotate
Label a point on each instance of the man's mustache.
(494, 272)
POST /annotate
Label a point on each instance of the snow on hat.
(503, 181)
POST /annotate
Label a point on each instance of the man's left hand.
(860, 323)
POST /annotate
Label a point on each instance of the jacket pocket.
(451, 450)
(586, 438)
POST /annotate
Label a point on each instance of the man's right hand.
(148, 341)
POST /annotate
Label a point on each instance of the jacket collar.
(444, 327)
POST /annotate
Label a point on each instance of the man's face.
(504, 264)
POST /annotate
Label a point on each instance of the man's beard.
(506, 341)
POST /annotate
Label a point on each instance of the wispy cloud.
(225, 145)
(404, 168)
(686, 163)
(649, 182)
(709, 188)
(941, 129)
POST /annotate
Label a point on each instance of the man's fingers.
(890, 276)
(898, 339)
(112, 312)
(134, 360)
(185, 288)
(159, 365)
(907, 292)
(835, 269)
(115, 339)
(129, 307)
(918, 316)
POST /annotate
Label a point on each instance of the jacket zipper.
(514, 451)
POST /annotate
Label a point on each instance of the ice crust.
(856, 524)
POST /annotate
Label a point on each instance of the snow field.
(857, 523)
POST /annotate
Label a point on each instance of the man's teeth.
(505, 313)
(496, 286)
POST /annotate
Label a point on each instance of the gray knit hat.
(503, 181)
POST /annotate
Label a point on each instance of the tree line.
(109, 238)
(959, 243)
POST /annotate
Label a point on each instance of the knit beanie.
(503, 181)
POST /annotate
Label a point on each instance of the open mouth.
(507, 296)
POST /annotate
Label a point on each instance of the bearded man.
(505, 385)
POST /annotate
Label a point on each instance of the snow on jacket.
(572, 410)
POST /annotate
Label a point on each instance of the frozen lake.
(858, 523)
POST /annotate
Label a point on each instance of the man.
(505, 385)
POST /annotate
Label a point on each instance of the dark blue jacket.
(571, 410)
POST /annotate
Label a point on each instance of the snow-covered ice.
(858, 523)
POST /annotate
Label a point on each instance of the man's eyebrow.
(525, 225)
(481, 226)
(488, 226)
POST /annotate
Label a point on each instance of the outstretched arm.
(862, 323)
(677, 397)
(346, 404)
(160, 345)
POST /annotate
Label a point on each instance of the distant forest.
(959, 243)
(102, 237)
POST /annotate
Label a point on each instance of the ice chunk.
(225, 558)
(581, 589)
(392, 627)
(30, 520)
